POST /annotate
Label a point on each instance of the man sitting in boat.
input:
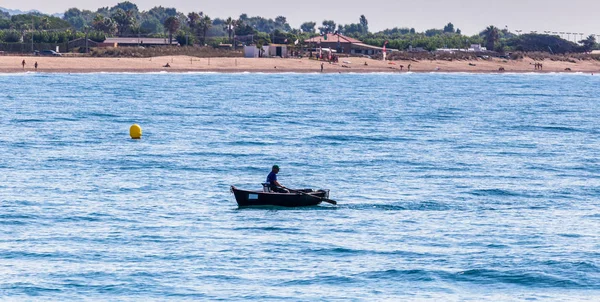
(273, 183)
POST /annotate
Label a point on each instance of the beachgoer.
(35, 65)
(23, 63)
(408, 67)
(273, 183)
(167, 65)
(401, 67)
(321, 67)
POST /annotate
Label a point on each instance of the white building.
(268, 51)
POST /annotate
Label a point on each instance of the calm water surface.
(450, 187)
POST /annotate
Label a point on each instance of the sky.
(471, 16)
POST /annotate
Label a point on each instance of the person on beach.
(35, 65)
(274, 185)
(321, 67)
(23, 63)
(167, 65)
(408, 67)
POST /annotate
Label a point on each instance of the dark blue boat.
(298, 198)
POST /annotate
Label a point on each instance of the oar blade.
(331, 201)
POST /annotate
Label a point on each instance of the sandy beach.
(12, 64)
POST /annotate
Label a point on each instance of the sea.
(450, 187)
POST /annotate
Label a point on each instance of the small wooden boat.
(298, 198)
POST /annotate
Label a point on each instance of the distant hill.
(13, 12)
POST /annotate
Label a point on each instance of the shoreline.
(185, 64)
(268, 71)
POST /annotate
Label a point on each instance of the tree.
(193, 20)
(308, 27)
(354, 29)
(124, 20)
(449, 28)
(364, 23)
(172, 26)
(281, 24)
(4, 15)
(229, 26)
(126, 6)
(328, 27)
(491, 37)
(151, 25)
(78, 18)
(539, 42)
(433, 32)
(589, 43)
(162, 13)
(205, 24)
(243, 29)
(104, 24)
(12, 36)
(183, 38)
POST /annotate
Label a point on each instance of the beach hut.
(251, 51)
(268, 51)
(276, 50)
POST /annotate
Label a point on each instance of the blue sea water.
(450, 187)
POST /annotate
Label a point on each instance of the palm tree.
(172, 25)
(205, 24)
(229, 26)
(193, 19)
(103, 24)
(491, 37)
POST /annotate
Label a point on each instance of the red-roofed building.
(343, 44)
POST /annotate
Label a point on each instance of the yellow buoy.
(135, 131)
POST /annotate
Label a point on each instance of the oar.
(331, 201)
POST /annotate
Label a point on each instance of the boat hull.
(246, 198)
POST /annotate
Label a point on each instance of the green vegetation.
(126, 20)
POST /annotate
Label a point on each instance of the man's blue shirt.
(271, 178)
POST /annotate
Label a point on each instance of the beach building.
(81, 42)
(268, 51)
(251, 51)
(477, 48)
(276, 50)
(343, 44)
(136, 41)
